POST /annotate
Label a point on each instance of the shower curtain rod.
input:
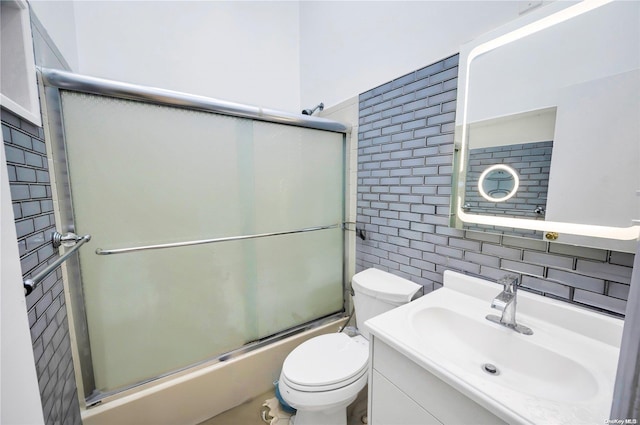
(101, 251)
(75, 82)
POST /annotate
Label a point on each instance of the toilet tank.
(377, 292)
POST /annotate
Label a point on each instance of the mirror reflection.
(561, 107)
(498, 183)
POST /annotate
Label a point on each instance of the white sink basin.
(563, 373)
(520, 365)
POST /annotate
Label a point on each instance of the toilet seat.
(325, 363)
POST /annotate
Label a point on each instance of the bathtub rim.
(98, 397)
(148, 403)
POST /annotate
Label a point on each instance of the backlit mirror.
(548, 127)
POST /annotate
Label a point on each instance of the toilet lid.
(326, 360)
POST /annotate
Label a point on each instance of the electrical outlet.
(528, 5)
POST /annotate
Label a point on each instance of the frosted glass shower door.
(145, 174)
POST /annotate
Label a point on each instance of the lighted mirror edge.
(618, 233)
(531, 28)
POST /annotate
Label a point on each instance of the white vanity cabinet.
(403, 393)
(429, 360)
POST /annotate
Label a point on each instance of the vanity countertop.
(563, 374)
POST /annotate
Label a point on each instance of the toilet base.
(336, 416)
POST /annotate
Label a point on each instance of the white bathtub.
(195, 395)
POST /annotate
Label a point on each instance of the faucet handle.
(510, 282)
(502, 300)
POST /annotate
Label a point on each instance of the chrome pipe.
(320, 106)
(31, 283)
(101, 251)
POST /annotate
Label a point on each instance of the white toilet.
(323, 375)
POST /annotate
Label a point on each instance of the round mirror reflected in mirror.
(498, 183)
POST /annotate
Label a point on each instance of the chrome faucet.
(506, 303)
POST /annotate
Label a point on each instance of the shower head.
(311, 111)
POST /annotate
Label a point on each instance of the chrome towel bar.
(31, 283)
(101, 251)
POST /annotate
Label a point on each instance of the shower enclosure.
(215, 226)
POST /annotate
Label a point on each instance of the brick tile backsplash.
(405, 148)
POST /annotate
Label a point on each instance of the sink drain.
(490, 369)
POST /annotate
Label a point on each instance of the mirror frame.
(532, 23)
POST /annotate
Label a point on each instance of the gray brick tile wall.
(405, 147)
(33, 209)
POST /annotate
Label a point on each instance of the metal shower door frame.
(52, 83)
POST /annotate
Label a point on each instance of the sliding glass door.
(153, 183)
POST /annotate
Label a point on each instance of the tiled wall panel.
(33, 210)
(405, 154)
